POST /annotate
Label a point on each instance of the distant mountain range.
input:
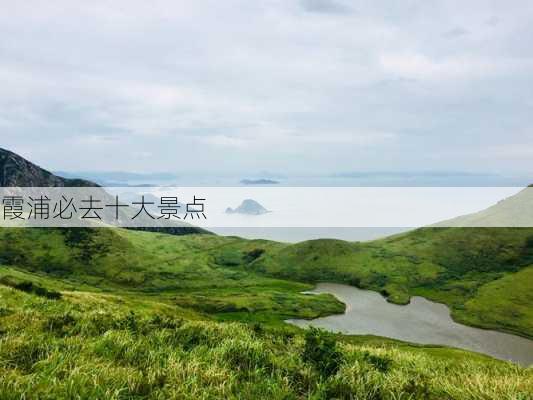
(120, 178)
(430, 178)
(259, 182)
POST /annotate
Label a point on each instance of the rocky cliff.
(17, 171)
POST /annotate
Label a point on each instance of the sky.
(287, 86)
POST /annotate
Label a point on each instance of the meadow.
(96, 345)
(120, 314)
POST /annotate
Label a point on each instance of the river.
(422, 321)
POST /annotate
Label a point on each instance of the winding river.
(422, 321)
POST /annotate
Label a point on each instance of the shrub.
(166, 322)
(4, 311)
(382, 364)
(418, 388)
(258, 329)
(246, 355)
(192, 335)
(253, 255)
(60, 325)
(97, 323)
(321, 351)
(49, 294)
(129, 322)
(229, 258)
(23, 352)
(354, 281)
(30, 287)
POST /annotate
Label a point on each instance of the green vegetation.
(259, 280)
(187, 271)
(97, 345)
(29, 287)
(111, 313)
(505, 302)
(322, 351)
(456, 266)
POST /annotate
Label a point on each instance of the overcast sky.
(279, 85)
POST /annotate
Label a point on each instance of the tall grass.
(101, 349)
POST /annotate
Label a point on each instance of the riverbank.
(422, 321)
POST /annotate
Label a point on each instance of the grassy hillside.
(503, 302)
(478, 272)
(121, 314)
(456, 266)
(187, 271)
(120, 346)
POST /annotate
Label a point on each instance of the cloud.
(510, 151)
(455, 32)
(468, 67)
(281, 85)
(223, 141)
(325, 6)
(143, 154)
(492, 21)
(361, 139)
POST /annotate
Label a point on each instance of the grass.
(111, 313)
(456, 266)
(96, 345)
(505, 302)
(237, 279)
(181, 271)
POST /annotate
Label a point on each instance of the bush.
(30, 287)
(246, 355)
(321, 351)
(192, 335)
(97, 323)
(22, 353)
(382, 364)
(354, 281)
(4, 311)
(60, 325)
(49, 294)
(129, 322)
(258, 329)
(418, 388)
(163, 322)
(253, 255)
(229, 258)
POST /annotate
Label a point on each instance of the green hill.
(456, 266)
(181, 270)
(242, 279)
(58, 341)
(112, 313)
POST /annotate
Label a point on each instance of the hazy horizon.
(361, 178)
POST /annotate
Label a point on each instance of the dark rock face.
(17, 171)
